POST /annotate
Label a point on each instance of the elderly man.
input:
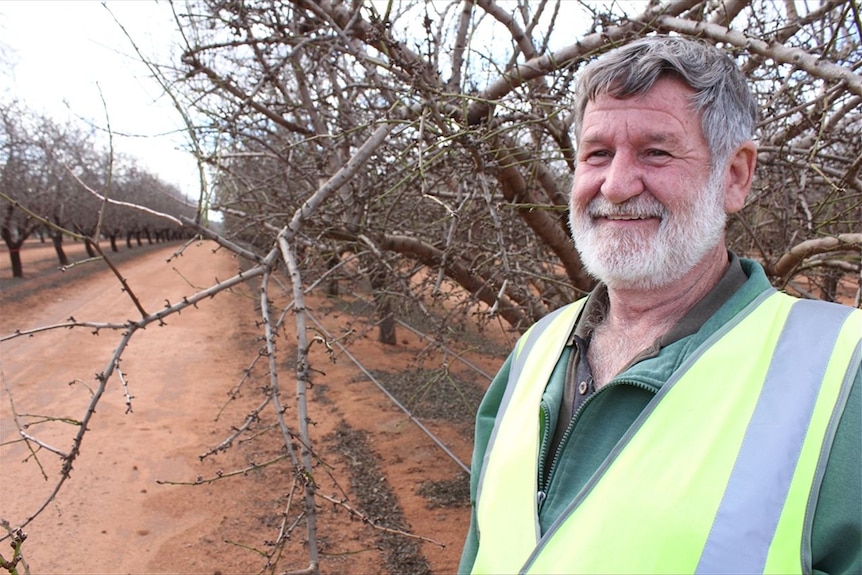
(685, 416)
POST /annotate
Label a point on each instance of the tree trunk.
(14, 250)
(57, 240)
(91, 251)
(332, 285)
(383, 304)
(15, 257)
(831, 279)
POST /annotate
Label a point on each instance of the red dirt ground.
(113, 517)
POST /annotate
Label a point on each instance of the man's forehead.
(667, 92)
(663, 115)
(641, 130)
(657, 134)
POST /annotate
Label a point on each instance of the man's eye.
(597, 154)
(657, 153)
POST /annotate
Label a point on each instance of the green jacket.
(604, 418)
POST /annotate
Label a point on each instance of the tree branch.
(789, 261)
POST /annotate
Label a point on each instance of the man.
(685, 416)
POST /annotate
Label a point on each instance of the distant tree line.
(59, 180)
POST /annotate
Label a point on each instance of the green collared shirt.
(595, 309)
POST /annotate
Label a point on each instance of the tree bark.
(57, 240)
(383, 304)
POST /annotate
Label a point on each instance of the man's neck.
(636, 319)
(630, 308)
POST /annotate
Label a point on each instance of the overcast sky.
(56, 56)
(62, 53)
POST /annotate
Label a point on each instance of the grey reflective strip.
(748, 515)
(847, 386)
(532, 338)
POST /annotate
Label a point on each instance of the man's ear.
(740, 174)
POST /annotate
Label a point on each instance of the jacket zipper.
(543, 491)
(543, 450)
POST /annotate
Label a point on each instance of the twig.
(367, 520)
(222, 475)
(137, 207)
(18, 538)
(71, 324)
(20, 427)
(289, 255)
(42, 444)
(129, 397)
(227, 442)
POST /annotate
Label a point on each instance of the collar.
(596, 306)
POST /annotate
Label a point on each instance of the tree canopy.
(454, 121)
(55, 179)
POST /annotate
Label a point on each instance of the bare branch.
(808, 248)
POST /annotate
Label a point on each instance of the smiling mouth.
(626, 218)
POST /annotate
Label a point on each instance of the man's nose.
(623, 179)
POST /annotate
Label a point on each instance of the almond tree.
(17, 182)
(471, 184)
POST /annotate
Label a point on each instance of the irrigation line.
(427, 337)
(394, 400)
(463, 360)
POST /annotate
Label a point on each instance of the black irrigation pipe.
(466, 362)
(427, 337)
(392, 398)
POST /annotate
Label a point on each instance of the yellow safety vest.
(719, 474)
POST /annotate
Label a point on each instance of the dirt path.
(113, 516)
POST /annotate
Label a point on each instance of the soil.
(149, 495)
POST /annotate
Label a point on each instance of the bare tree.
(17, 156)
(482, 136)
(47, 172)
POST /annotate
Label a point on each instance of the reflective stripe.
(773, 440)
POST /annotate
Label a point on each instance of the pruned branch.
(803, 250)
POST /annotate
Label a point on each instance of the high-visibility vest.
(719, 474)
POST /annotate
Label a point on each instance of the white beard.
(646, 260)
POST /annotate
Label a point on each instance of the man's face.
(644, 209)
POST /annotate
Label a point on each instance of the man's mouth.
(633, 210)
(625, 217)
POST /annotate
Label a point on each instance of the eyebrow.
(662, 137)
(657, 137)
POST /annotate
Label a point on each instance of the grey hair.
(729, 110)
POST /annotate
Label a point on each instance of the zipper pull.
(540, 498)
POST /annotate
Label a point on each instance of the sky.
(56, 56)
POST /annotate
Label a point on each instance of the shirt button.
(582, 388)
